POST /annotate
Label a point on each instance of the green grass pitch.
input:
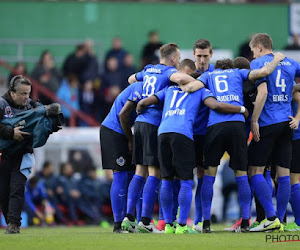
(98, 238)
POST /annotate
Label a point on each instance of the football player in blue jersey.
(272, 123)
(176, 146)
(203, 53)
(116, 155)
(226, 132)
(295, 177)
(155, 78)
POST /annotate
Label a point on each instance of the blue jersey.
(296, 132)
(112, 120)
(155, 78)
(280, 89)
(180, 109)
(211, 68)
(227, 86)
(200, 125)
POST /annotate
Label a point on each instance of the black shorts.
(230, 137)
(295, 167)
(145, 144)
(176, 156)
(114, 150)
(276, 142)
(199, 141)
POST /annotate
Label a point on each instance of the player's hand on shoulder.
(279, 56)
(294, 123)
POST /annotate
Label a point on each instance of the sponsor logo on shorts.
(121, 161)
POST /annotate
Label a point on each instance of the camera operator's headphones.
(12, 82)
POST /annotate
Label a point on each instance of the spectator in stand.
(37, 204)
(245, 51)
(295, 44)
(46, 175)
(70, 196)
(91, 72)
(80, 160)
(150, 54)
(87, 101)
(20, 69)
(117, 52)
(129, 68)
(77, 63)
(90, 188)
(112, 82)
(46, 74)
(68, 92)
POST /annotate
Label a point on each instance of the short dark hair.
(263, 39)
(46, 164)
(152, 32)
(224, 64)
(241, 63)
(202, 44)
(168, 49)
(16, 81)
(187, 62)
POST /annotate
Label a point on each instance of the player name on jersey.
(228, 98)
(153, 70)
(280, 98)
(280, 64)
(175, 112)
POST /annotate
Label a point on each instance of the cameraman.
(12, 180)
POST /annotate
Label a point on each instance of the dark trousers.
(12, 186)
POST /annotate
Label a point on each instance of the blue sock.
(185, 199)
(244, 195)
(134, 189)
(198, 206)
(252, 196)
(295, 202)
(130, 174)
(176, 188)
(283, 195)
(139, 205)
(207, 192)
(118, 195)
(263, 193)
(269, 180)
(160, 211)
(166, 198)
(149, 196)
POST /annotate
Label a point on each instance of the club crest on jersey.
(8, 112)
(121, 161)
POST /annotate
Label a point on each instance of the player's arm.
(294, 123)
(132, 78)
(296, 87)
(267, 69)
(124, 116)
(223, 107)
(186, 82)
(262, 93)
(144, 103)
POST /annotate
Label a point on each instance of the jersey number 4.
(280, 83)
